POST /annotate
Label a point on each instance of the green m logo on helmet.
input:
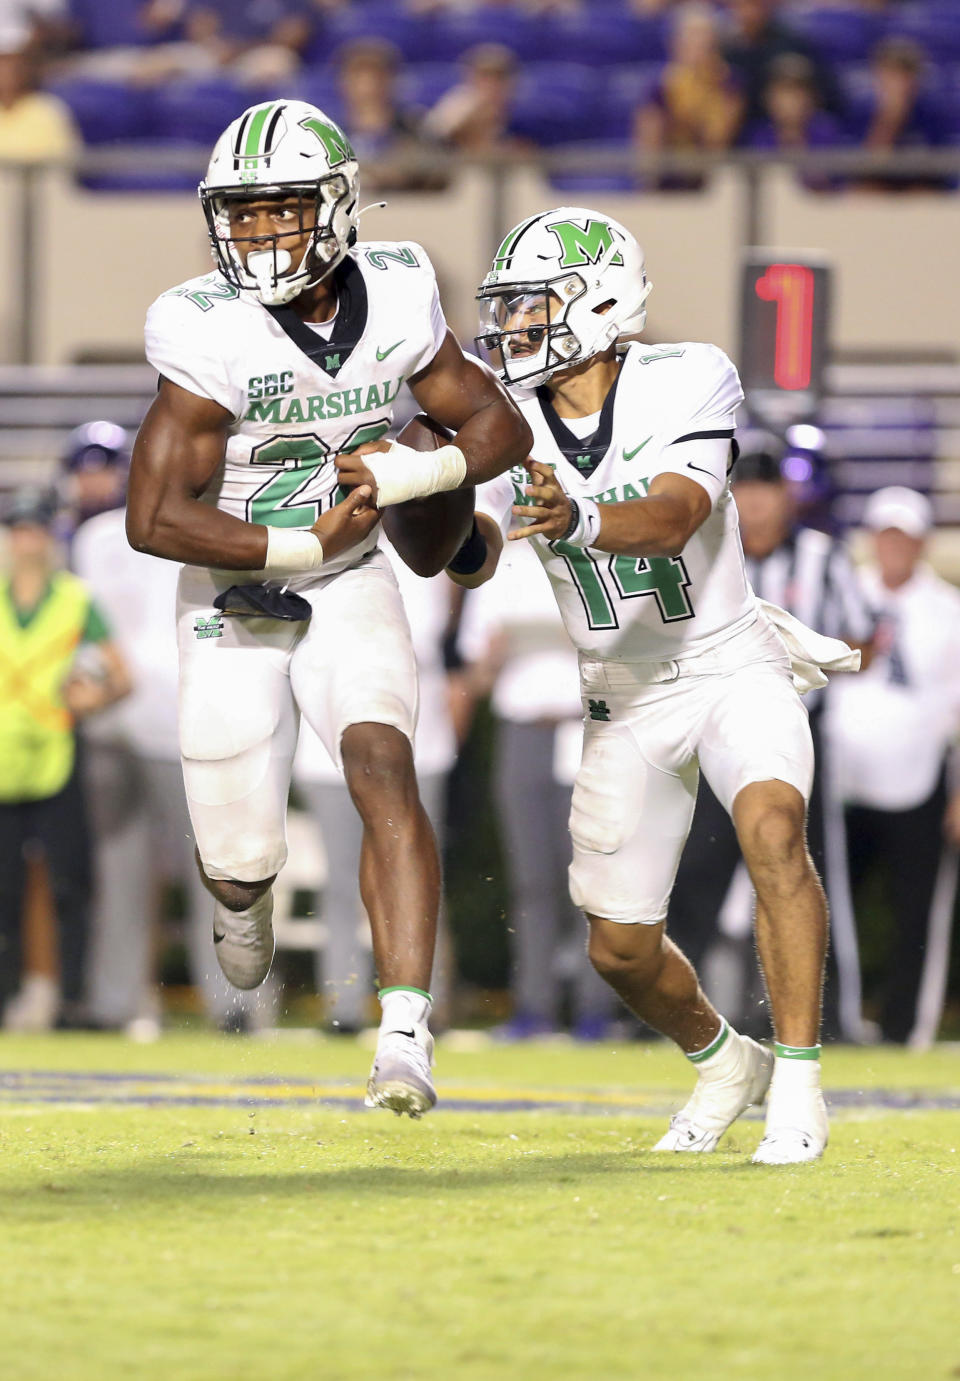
(584, 244)
(334, 141)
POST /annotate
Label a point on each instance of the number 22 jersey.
(628, 608)
(293, 413)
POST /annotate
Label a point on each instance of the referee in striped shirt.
(810, 574)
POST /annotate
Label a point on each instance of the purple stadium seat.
(318, 86)
(106, 112)
(556, 103)
(377, 20)
(838, 35)
(937, 29)
(196, 113)
(109, 23)
(591, 180)
(601, 37)
(446, 36)
(422, 84)
(624, 89)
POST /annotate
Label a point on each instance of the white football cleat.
(794, 1134)
(719, 1101)
(400, 1078)
(243, 941)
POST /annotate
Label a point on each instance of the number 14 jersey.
(625, 608)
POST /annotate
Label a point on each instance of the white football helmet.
(282, 149)
(564, 285)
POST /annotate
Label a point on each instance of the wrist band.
(403, 473)
(584, 526)
(471, 555)
(291, 549)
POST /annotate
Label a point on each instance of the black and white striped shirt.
(811, 575)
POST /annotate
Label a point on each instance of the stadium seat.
(573, 183)
(422, 84)
(622, 91)
(196, 113)
(446, 37)
(935, 29)
(601, 37)
(318, 86)
(378, 20)
(555, 103)
(838, 35)
(106, 112)
(110, 23)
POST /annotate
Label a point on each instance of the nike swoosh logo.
(382, 354)
(628, 455)
(411, 1034)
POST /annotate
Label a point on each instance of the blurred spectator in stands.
(696, 105)
(258, 41)
(758, 38)
(345, 966)
(512, 636)
(384, 136)
(58, 666)
(893, 727)
(901, 114)
(475, 115)
(808, 573)
(35, 126)
(140, 826)
(793, 120)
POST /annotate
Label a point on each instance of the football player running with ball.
(626, 500)
(290, 354)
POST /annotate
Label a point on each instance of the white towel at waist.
(811, 654)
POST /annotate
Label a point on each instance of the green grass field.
(314, 1240)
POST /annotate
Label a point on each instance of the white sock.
(720, 1056)
(404, 1008)
(794, 1076)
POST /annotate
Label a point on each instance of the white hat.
(901, 508)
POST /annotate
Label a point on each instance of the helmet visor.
(523, 331)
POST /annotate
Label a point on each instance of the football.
(428, 533)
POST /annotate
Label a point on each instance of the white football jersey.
(293, 413)
(629, 608)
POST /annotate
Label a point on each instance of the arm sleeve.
(180, 349)
(96, 629)
(702, 444)
(495, 498)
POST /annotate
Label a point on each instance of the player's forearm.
(493, 440)
(655, 526)
(181, 528)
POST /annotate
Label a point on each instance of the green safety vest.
(37, 743)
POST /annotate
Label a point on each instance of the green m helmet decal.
(335, 142)
(583, 244)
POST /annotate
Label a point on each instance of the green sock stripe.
(403, 988)
(796, 1052)
(714, 1045)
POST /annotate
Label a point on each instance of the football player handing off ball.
(286, 357)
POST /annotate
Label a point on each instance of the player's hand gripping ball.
(428, 533)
